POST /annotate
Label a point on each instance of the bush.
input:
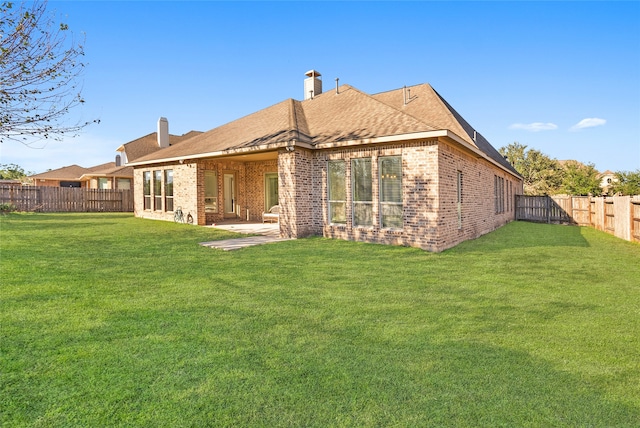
(7, 208)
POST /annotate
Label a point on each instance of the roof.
(77, 173)
(426, 103)
(149, 143)
(343, 115)
(71, 172)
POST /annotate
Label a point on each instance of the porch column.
(296, 193)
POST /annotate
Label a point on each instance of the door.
(229, 195)
(270, 190)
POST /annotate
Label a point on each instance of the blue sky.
(559, 77)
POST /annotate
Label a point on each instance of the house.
(400, 167)
(131, 151)
(110, 175)
(607, 180)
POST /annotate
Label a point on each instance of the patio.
(262, 233)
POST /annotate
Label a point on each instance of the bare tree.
(40, 71)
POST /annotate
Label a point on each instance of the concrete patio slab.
(265, 233)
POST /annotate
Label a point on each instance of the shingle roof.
(424, 103)
(71, 172)
(103, 167)
(354, 115)
(346, 115)
(76, 172)
(273, 124)
(149, 144)
(428, 105)
(111, 170)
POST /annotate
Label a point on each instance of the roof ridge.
(457, 117)
(293, 120)
(453, 115)
(402, 111)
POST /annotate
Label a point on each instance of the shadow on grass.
(22, 221)
(521, 234)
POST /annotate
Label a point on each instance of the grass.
(109, 320)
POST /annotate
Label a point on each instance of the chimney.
(312, 84)
(118, 160)
(163, 132)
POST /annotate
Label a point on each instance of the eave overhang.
(290, 145)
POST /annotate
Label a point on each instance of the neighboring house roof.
(110, 171)
(149, 144)
(78, 173)
(345, 115)
(71, 172)
(103, 167)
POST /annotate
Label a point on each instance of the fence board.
(65, 199)
(635, 220)
(618, 215)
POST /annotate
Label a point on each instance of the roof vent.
(163, 132)
(312, 84)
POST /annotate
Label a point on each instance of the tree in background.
(541, 174)
(579, 179)
(12, 171)
(628, 183)
(39, 74)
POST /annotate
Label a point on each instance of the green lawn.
(109, 320)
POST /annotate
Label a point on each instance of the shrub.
(7, 208)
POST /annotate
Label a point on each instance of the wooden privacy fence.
(66, 199)
(618, 215)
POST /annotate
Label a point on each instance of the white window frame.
(331, 203)
(385, 203)
(355, 203)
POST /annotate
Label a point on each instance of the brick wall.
(478, 197)
(184, 192)
(432, 219)
(297, 179)
(189, 189)
(430, 173)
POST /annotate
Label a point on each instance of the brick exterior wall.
(478, 197)
(189, 189)
(297, 179)
(432, 219)
(184, 192)
(429, 182)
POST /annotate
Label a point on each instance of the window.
(168, 189)
(157, 190)
(498, 190)
(211, 191)
(124, 184)
(146, 186)
(103, 183)
(337, 192)
(270, 190)
(459, 198)
(390, 173)
(362, 192)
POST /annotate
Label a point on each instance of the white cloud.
(589, 122)
(534, 127)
